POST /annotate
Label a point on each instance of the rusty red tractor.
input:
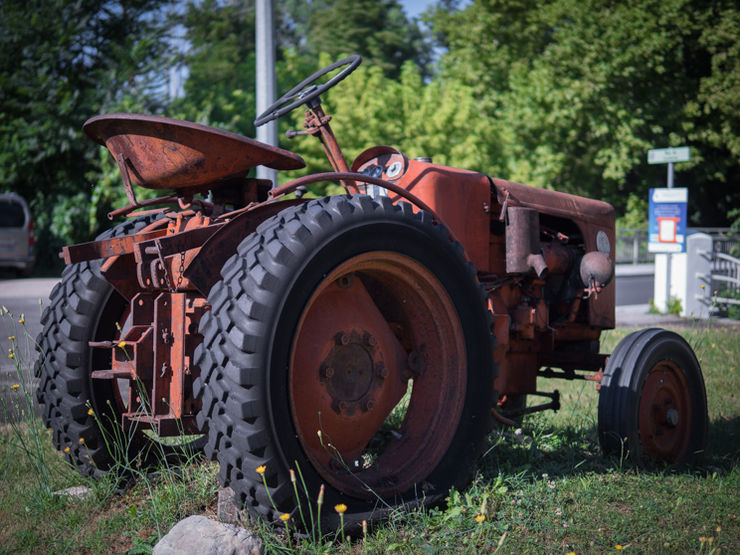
(369, 340)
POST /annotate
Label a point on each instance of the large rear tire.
(652, 400)
(349, 341)
(84, 414)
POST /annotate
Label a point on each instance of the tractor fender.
(205, 269)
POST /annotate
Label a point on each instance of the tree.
(583, 89)
(63, 62)
(378, 30)
(438, 119)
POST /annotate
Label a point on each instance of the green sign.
(668, 155)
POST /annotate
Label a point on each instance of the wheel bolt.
(343, 338)
(380, 370)
(671, 417)
(368, 405)
(370, 340)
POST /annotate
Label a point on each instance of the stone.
(77, 492)
(204, 536)
(227, 510)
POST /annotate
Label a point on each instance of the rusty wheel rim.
(377, 375)
(665, 413)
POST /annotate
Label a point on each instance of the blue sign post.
(667, 220)
(667, 217)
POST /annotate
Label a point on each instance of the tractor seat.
(166, 153)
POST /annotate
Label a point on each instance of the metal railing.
(632, 246)
(632, 243)
(725, 278)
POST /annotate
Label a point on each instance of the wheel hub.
(352, 371)
(373, 323)
(671, 418)
(664, 412)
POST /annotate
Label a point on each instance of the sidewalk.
(639, 316)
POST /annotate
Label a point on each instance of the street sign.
(668, 155)
(667, 220)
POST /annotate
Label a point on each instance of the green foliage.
(64, 61)
(581, 100)
(566, 95)
(436, 119)
(378, 30)
(221, 64)
(635, 213)
(674, 306)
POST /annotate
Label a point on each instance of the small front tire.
(652, 401)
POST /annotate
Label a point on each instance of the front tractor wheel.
(348, 340)
(652, 401)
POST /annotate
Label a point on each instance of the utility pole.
(266, 80)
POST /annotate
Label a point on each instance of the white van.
(16, 234)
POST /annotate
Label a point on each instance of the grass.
(546, 490)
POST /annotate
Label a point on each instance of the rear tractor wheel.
(652, 401)
(83, 413)
(348, 341)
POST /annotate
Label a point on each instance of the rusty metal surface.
(155, 355)
(164, 153)
(553, 202)
(460, 199)
(106, 248)
(523, 249)
(317, 124)
(665, 413)
(291, 186)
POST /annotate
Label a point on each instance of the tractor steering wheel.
(306, 90)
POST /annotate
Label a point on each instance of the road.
(20, 298)
(634, 283)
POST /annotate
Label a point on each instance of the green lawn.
(547, 489)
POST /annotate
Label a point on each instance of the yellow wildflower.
(480, 519)
(285, 517)
(12, 337)
(15, 386)
(91, 412)
(571, 553)
(67, 449)
(719, 528)
(703, 286)
(702, 539)
(22, 320)
(261, 469)
(122, 344)
(341, 508)
(82, 440)
(619, 547)
(11, 355)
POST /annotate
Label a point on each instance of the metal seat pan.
(166, 153)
